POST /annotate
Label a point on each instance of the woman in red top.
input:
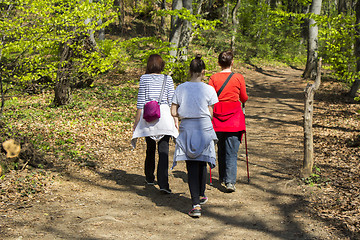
(229, 119)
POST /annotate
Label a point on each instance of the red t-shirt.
(234, 90)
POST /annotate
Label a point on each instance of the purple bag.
(152, 108)
(151, 111)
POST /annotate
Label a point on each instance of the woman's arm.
(174, 110)
(175, 114)
(137, 118)
(211, 110)
(243, 95)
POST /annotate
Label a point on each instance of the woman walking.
(193, 104)
(158, 87)
(229, 119)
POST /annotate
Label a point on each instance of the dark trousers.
(197, 173)
(163, 164)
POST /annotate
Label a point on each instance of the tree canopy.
(33, 34)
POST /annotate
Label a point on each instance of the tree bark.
(163, 6)
(235, 24)
(180, 31)
(342, 8)
(312, 51)
(118, 4)
(63, 82)
(356, 85)
(2, 97)
(310, 89)
(91, 32)
(227, 7)
(272, 4)
(199, 9)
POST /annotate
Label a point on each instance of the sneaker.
(230, 187)
(195, 212)
(166, 191)
(149, 183)
(203, 200)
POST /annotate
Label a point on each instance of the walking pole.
(247, 159)
(246, 150)
(210, 177)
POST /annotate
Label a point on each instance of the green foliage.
(305, 2)
(33, 31)
(144, 8)
(143, 47)
(336, 37)
(268, 34)
(199, 24)
(179, 70)
(315, 179)
(61, 130)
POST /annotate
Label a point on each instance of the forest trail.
(113, 203)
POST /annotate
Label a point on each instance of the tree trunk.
(272, 4)
(312, 51)
(227, 12)
(91, 31)
(118, 4)
(180, 31)
(356, 85)
(101, 31)
(354, 88)
(342, 8)
(163, 6)
(199, 9)
(2, 97)
(63, 81)
(235, 24)
(308, 163)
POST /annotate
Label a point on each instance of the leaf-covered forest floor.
(90, 184)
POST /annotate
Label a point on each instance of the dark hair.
(155, 64)
(197, 64)
(225, 59)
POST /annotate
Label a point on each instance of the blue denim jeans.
(228, 147)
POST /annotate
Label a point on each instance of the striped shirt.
(150, 88)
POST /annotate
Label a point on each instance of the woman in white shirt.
(193, 103)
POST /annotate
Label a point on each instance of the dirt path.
(112, 203)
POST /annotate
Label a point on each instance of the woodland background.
(70, 65)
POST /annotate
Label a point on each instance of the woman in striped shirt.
(158, 131)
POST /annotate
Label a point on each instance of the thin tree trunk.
(342, 8)
(199, 7)
(176, 24)
(198, 12)
(354, 88)
(91, 31)
(235, 24)
(101, 31)
(118, 4)
(163, 6)
(62, 86)
(310, 89)
(272, 4)
(227, 12)
(312, 52)
(356, 85)
(2, 97)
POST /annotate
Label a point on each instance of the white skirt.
(165, 125)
